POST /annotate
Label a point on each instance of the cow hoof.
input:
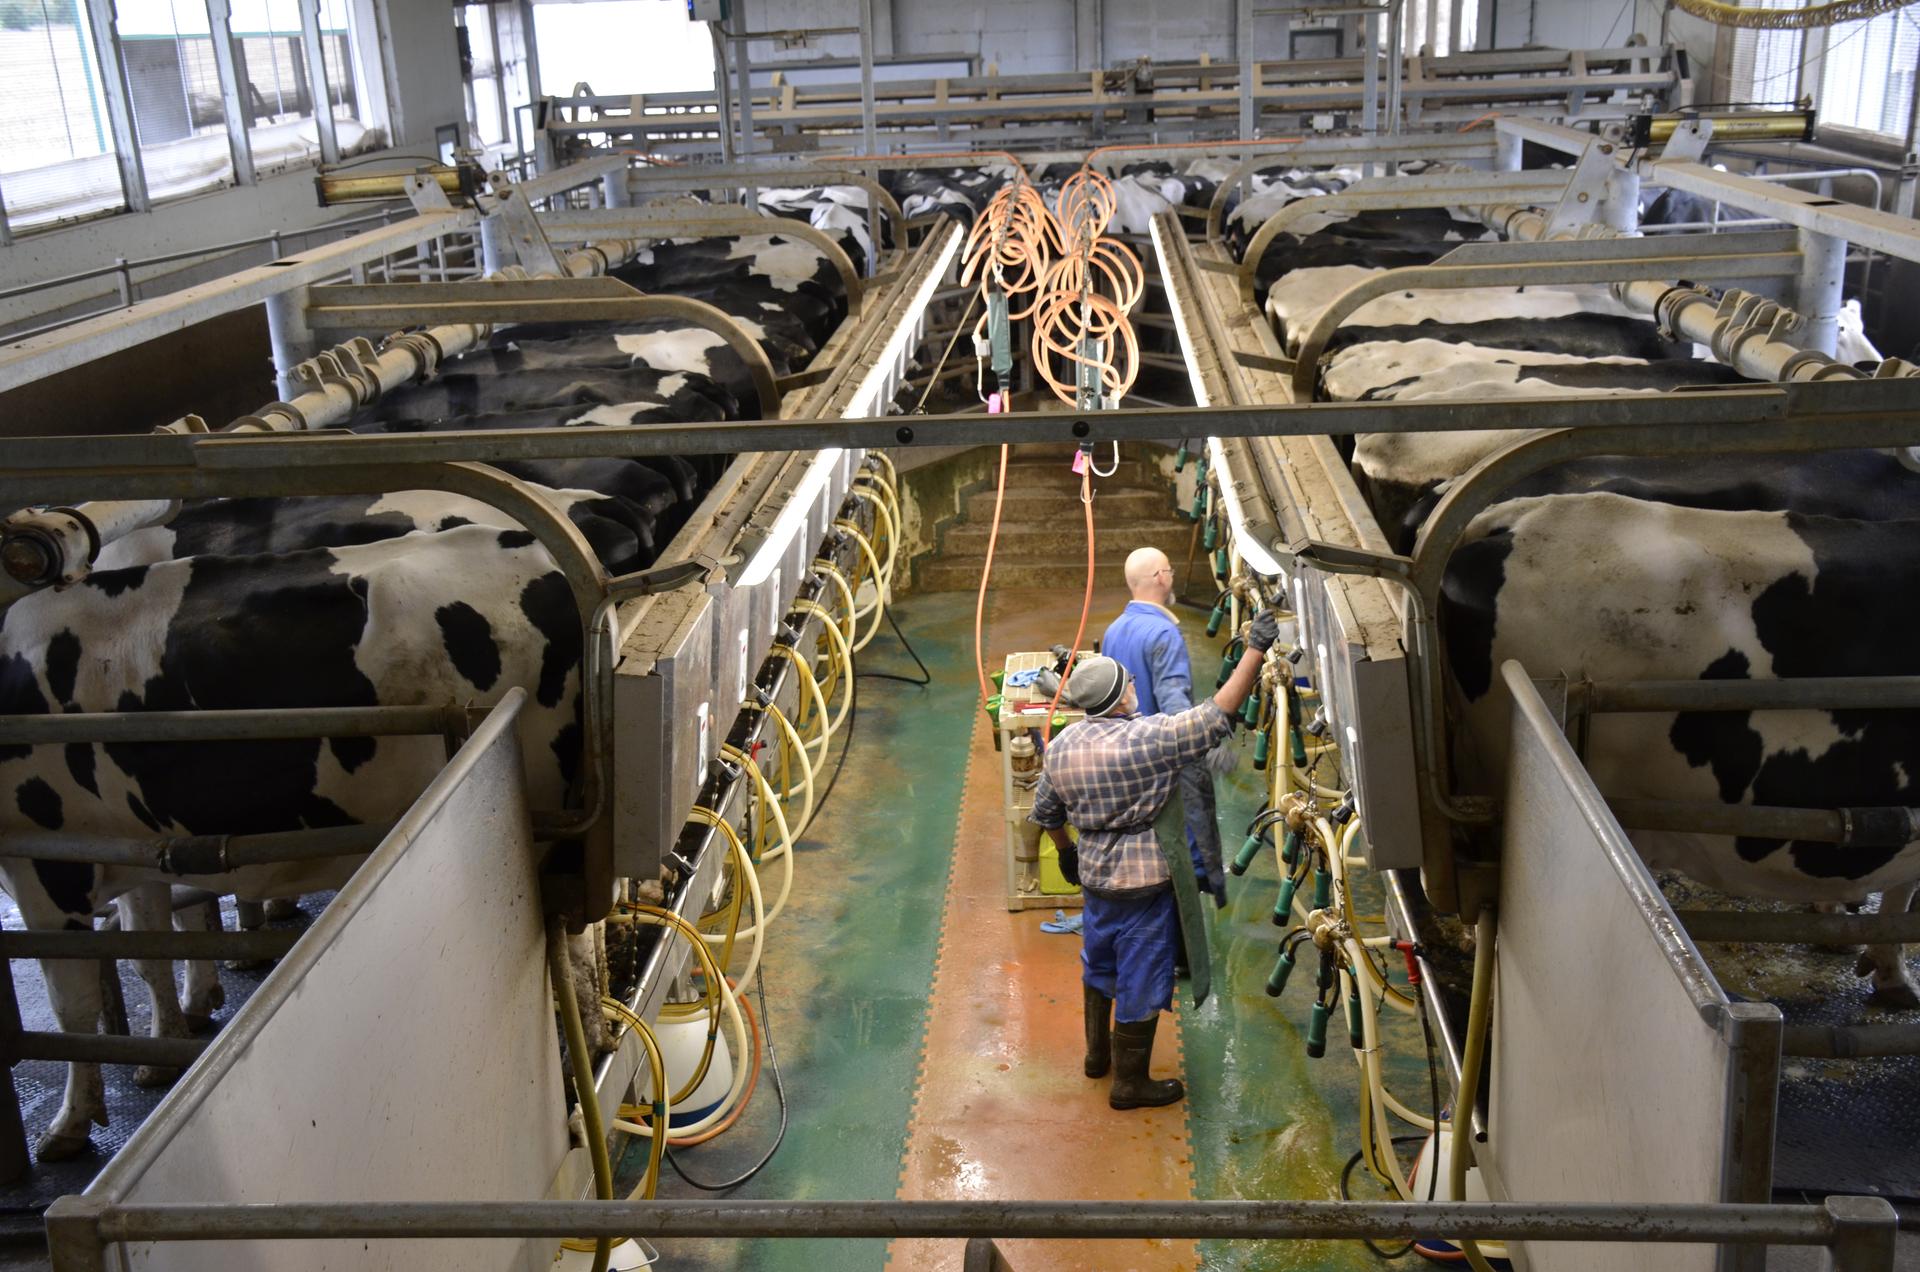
(62, 1146)
(200, 1008)
(198, 1022)
(1898, 995)
(281, 908)
(248, 964)
(153, 1076)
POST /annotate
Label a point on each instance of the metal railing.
(121, 269)
(1858, 1233)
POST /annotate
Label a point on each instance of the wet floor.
(931, 1040)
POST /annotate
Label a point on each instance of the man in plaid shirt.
(1110, 775)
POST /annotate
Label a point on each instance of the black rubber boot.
(1099, 1031)
(1132, 1053)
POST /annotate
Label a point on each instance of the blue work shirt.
(1146, 640)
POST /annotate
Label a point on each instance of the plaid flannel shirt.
(1111, 777)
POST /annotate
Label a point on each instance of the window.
(56, 150)
(179, 116)
(1860, 75)
(280, 93)
(622, 46)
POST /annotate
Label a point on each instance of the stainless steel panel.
(1611, 1081)
(664, 728)
(419, 996)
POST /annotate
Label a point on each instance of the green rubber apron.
(1170, 828)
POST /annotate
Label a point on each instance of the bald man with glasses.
(1146, 640)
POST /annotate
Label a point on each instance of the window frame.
(105, 47)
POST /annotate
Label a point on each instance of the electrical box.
(708, 10)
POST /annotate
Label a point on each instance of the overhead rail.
(1584, 83)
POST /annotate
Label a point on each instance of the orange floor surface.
(1004, 1111)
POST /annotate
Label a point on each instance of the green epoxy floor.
(851, 966)
(850, 963)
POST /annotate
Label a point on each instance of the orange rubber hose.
(986, 570)
(1086, 606)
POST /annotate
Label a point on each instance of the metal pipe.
(1056, 1220)
(1756, 336)
(39, 548)
(1833, 693)
(203, 726)
(194, 854)
(1850, 1042)
(1817, 290)
(1879, 827)
(172, 1053)
(1769, 927)
(167, 945)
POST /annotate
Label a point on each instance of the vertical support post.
(1243, 49)
(1620, 209)
(1506, 152)
(1864, 1232)
(14, 1160)
(869, 135)
(1396, 23)
(73, 1234)
(1817, 291)
(613, 188)
(292, 339)
(119, 104)
(743, 89)
(6, 230)
(868, 140)
(1369, 81)
(317, 79)
(232, 100)
(721, 67)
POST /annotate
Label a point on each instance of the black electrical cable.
(1346, 1178)
(820, 800)
(779, 1091)
(925, 677)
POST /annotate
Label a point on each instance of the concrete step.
(1054, 470)
(1029, 504)
(951, 574)
(1065, 539)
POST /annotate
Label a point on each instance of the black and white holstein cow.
(412, 598)
(1645, 569)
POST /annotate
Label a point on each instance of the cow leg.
(249, 914)
(73, 990)
(589, 983)
(149, 908)
(205, 995)
(1893, 982)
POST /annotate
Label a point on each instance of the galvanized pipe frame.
(1480, 487)
(1749, 255)
(1859, 1232)
(1402, 148)
(597, 224)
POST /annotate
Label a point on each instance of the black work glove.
(1069, 864)
(1263, 631)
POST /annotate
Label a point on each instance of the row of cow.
(1636, 569)
(409, 598)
